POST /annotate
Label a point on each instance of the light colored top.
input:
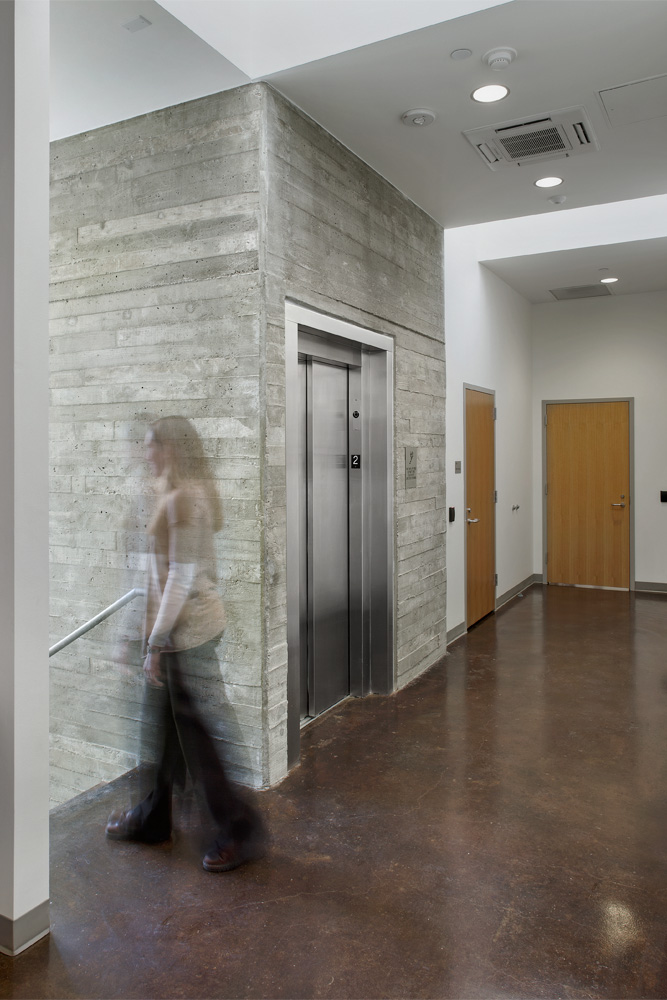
(183, 607)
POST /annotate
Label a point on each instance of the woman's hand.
(152, 671)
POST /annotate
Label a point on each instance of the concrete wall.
(342, 240)
(601, 348)
(155, 310)
(176, 239)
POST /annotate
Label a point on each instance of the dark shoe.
(223, 858)
(125, 825)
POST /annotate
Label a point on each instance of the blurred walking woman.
(184, 621)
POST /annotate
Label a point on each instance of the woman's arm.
(185, 526)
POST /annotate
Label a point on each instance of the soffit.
(641, 266)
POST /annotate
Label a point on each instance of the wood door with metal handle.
(480, 499)
(588, 462)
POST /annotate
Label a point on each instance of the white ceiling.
(266, 36)
(357, 65)
(641, 266)
(101, 73)
(567, 52)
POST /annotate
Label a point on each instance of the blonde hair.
(185, 460)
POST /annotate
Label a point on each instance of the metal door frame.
(489, 392)
(630, 400)
(377, 674)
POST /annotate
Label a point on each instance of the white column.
(24, 678)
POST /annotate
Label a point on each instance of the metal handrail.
(116, 606)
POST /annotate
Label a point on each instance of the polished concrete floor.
(498, 829)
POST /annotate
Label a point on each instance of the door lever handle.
(474, 520)
(618, 505)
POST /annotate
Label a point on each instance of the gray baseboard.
(520, 587)
(654, 588)
(456, 632)
(17, 935)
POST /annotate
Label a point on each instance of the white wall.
(24, 353)
(487, 337)
(595, 225)
(597, 348)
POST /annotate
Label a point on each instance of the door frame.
(378, 555)
(630, 400)
(489, 392)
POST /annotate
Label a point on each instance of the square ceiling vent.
(580, 292)
(545, 137)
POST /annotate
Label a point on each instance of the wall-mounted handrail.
(116, 606)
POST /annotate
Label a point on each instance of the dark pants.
(173, 721)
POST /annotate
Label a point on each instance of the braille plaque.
(410, 468)
(355, 461)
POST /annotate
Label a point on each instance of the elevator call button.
(355, 461)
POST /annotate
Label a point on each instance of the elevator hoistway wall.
(176, 239)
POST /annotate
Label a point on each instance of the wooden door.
(588, 494)
(480, 504)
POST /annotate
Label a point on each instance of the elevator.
(330, 507)
(339, 516)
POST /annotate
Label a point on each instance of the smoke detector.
(419, 117)
(499, 58)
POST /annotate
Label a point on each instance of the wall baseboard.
(520, 587)
(456, 632)
(459, 630)
(652, 588)
(17, 935)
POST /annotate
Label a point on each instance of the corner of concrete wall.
(177, 238)
(273, 483)
(342, 240)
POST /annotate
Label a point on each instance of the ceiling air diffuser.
(580, 292)
(544, 137)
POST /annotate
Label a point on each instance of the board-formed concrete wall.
(155, 310)
(176, 238)
(344, 241)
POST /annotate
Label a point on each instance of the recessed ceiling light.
(548, 182)
(460, 54)
(492, 92)
(608, 281)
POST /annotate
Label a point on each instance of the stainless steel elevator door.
(325, 670)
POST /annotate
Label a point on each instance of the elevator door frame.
(375, 673)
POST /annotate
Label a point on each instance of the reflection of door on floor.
(588, 494)
(480, 505)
